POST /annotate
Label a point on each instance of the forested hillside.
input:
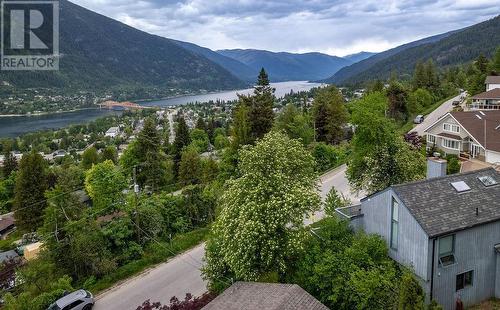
(99, 52)
(449, 49)
(238, 69)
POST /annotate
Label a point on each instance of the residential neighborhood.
(446, 229)
(250, 155)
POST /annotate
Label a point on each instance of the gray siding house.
(446, 228)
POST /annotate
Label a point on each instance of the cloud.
(332, 26)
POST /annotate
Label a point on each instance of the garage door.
(492, 157)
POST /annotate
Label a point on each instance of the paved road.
(181, 274)
(446, 107)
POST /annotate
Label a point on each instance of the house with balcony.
(490, 99)
(470, 134)
(445, 228)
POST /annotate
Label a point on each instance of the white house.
(112, 132)
(492, 82)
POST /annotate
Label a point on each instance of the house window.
(447, 250)
(464, 279)
(451, 127)
(431, 139)
(451, 144)
(394, 223)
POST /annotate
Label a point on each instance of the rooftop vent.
(482, 113)
(488, 180)
(478, 116)
(460, 186)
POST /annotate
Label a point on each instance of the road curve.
(181, 274)
(432, 117)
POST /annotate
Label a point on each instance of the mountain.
(348, 72)
(358, 56)
(448, 49)
(238, 69)
(98, 52)
(288, 66)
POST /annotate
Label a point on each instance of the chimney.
(436, 167)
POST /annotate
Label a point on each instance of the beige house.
(473, 134)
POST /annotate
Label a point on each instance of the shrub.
(453, 164)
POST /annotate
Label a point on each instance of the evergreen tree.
(419, 76)
(261, 107)
(495, 63)
(398, 97)
(330, 115)
(151, 171)
(182, 137)
(482, 63)
(9, 163)
(31, 183)
(182, 140)
(200, 124)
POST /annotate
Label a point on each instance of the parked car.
(456, 103)
(78, 300)
(419, 119)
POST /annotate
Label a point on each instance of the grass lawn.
(153, 255)
(493, 304)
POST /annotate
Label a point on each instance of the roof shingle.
(483, 126)
(492, 79)
(491, 94)
(440, 209)
(264, 296)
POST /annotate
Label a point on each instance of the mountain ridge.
(285, 66)
(99, 52)
(447, 49)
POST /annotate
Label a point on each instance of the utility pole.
(136, 191)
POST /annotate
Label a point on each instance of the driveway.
(181, 274)
(432, 117)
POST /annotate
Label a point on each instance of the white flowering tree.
(260, 224)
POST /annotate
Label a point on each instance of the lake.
(17, 125)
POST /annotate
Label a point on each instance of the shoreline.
(47, 113)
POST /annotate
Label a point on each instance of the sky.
(335, 27)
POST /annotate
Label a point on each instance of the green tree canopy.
(31, 183)
(190, 169)
(104, 183)
(241, 125)
(261, 224)
(200, 140)
(330, 115)
(380, 157)
(295, 124)
(89, 157)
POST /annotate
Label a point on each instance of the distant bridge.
(110, 104)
